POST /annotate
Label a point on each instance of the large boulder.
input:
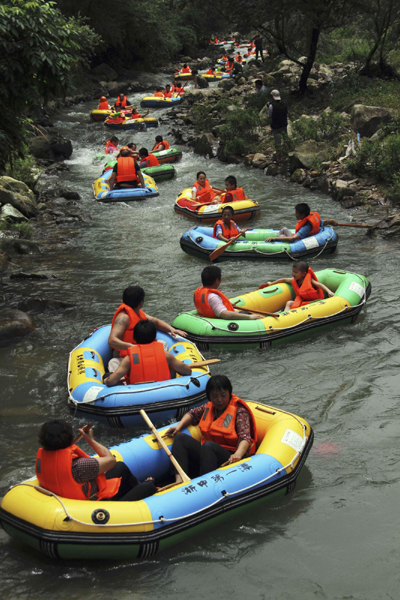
(202, 83)
(26, 205)
(366, 120)
(307, 154)
(8, 183)
(9, 213)
(203, 145)
(259, 161)
(226, 84)
(104, 73)
(14, 323)
(16, 247)
(51, 147)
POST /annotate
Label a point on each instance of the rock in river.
(14, 323)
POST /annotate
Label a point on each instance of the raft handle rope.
(162, 519)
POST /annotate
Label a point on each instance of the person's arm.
(283, 280)
(105, 459)
(240, 451)
(163, 326)
(330, 222)
(121, 371)
(233, 315)
(284, 238)
(111, 181)
(177, 365)
(141, 178)
(184, 422)
(217, 190)
(323, 287)
(121, 323)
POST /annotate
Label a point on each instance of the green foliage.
(239, 133)
(207, 114)
(327, 128)
(379, 159)
(39, 48)
(355, 89)
(23, 230)
(257, 101)
(24, 169)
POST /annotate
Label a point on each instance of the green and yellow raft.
(351, 292)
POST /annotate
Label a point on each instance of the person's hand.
(253, 317)
(331, 294)
(174, 332)
(87, 433)
(333, 222)
(264, 285)
(234, 458)
(172, 431)
(269, 240)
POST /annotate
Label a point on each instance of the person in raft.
(126, 172)
(185, 69)
(305, 285)
(167, 91)
(112, 145)
(308, 223)
(103, 104)
(147, 159)
(228, 431)
(160, 144)
(131, 147)
(202, 191)
(211, 71)
(233, 193)
(158, 93)
(122, 102)
(67, 471)
(137, 115)
(127, 315)
(178, 90)
(225, 229)
(212, 303)
(147, 360)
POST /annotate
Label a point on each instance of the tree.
(39, 48)
(380, 18)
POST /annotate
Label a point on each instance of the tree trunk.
(310, 59)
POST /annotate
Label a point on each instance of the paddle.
(351, 225)
(217, 253)
(164, 446)
(86, 429)
(258, 312)
(204, 363)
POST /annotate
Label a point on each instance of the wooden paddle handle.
(86, 428)
(351, 225)
(164, 446)
(204, 363)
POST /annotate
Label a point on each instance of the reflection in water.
(336, 535)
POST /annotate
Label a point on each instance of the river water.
(337, 536)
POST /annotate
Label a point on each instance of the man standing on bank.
(278, 113)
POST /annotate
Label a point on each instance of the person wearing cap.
(278, 114)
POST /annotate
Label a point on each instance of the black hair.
(114, 139)
(167, 86)
(124, 153)
(232, 180)
(210, 274)
(131, 145)
(121, 94)
(133, 296)
(218, 383)
(159, 138)
(229, 207)
(144, 332)
(143, 152)
(301, 265)
(302, 209)
(200, 173)
(55, 435)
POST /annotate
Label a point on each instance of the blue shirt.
(305, 230)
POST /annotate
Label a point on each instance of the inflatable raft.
(168, 156)
(101, 115)
(183, 76)
(119, 405)
(158, 102)
(198, 241)
(62, 528)
(215, 76)
(351, 292)
(245, 210)
(158, 173)
(128, 123)
(102, 193)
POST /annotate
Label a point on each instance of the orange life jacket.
(237, 194)
(110, 148)
(225, 57)
(167, 94)
(228, 232)
(104, 105)
(122, 104)
(133, 319)
(126, 170)
(223, 429)
(186, 70)
(206, 193)
(159, 95)
(151, 161)
(210, 72)
(136, 115)
(202, 305)
(306, 292)
(157, 147)
(315, 221)
(54, 472)
(148, 363)
(179, 91)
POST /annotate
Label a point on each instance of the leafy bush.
(23, 230)
(23, 169)
(328, 127)
(239, 133)
(379, 159)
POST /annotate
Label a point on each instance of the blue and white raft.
(198, 241)
(119, 405)
(81, 529)
(102, 193)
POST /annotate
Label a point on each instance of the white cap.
(276, 95)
